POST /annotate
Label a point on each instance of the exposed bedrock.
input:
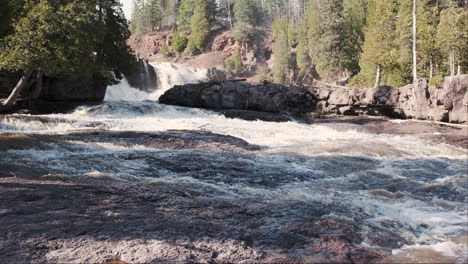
(273, 98)
(448, 103)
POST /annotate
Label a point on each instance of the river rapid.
(400, 193)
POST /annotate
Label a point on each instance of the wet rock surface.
(90, 195)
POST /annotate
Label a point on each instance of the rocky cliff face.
(448, 103)
(144, 78)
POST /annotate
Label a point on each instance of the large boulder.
(273, 98)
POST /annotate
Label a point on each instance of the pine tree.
(66, 37)
(451, 36)
(200, 28)
(247, 16)
(281, 53)
(314, 30)
(185, 13)
(328, 61)
(354, 16)
(380, 49)
(401, 75)
(428, 19)
(179, 43)
(302, 58)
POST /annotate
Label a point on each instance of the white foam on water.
(123, 91)
(281, 139)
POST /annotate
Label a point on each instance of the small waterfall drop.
(166, 76)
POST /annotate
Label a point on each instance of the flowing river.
(398, 192)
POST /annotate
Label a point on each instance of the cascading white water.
(404, 183)
(168, 75)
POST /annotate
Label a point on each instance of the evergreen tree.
(302, 58)
(328, 61)
(185, 13)
(247, 15)
(354, 16)
(314, 30)
(179, 43)
(66, 37)
(428, 53)
(200, 28)
(234, 64)
(281, 65)
(451, 36)
(380, 48)
(401, 74)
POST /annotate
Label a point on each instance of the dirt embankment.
(221, 45)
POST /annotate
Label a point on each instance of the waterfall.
(152, 80)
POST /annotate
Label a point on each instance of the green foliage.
(164, 49)
(280, 26)
(303, 60)
(402, 73)
(428, 53)
(179, 43)
(234, 64)
(328, 60)
(200, 28)
(185, 13)
(293, 37)
(381, 43)
(51, 38)
(354, 16)
(281, 52)
(262, 74)
(314, 31)
(452, 36)
(436, 81)
(64, 37)
(151, 15)
(191, 48)
(247, 15)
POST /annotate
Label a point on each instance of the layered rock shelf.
(448, 103)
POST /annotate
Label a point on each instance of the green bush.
(179, 43)
(436, 81)
(234, 64)
(261, 74)
(191, 47)
(164, 49)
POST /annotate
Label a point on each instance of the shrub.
(179, 43)
(234, 64)
(261, 74)
(436, 81)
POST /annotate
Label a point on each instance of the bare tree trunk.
(452, 63)
(415, 59)
(229, 13)
(458, 69)
(377, 77)
(37, 90)
(431, 69)
(16, 91)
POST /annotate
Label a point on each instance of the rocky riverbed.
(146, 183)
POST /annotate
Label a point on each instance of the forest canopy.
(348, 40)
